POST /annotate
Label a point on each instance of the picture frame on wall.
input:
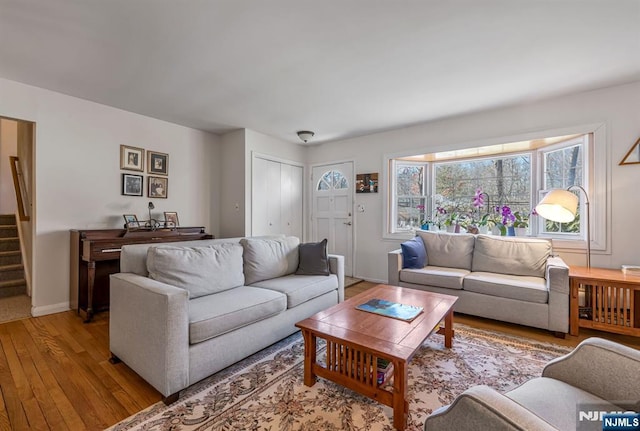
(131, 221)
(157, 163)
(132, 185)
(131, 158)
(157, 187)
(171, 219)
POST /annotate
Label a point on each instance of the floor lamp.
(560, 206)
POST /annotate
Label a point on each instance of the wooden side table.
(604, 299)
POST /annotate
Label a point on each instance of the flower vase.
(483, 230)
(495, 230)
(521, 231)
(425, 226)
(511, 231)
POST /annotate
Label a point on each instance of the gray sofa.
(598, 376)
(511, 279)
(182, 311)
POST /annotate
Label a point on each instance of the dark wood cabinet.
(95, 254)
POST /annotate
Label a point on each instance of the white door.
(332, 206)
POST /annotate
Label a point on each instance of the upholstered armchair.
(598, 375)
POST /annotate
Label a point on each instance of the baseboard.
(50, 309)
(371, 280)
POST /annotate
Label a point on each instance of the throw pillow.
(313, 258)
(199, 270)
(265, 259)
(414, 254)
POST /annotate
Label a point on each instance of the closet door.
(291, 199)
(265, 197)
(276, 198)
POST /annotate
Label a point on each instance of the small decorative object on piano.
(631, 269)
(171, 219)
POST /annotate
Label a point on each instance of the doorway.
(332, 209)
(16, 168)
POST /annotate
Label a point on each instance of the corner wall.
(78, 176)
(617, 107)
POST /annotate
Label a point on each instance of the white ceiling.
(341, 68)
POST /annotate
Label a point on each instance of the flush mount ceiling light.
(305, 135)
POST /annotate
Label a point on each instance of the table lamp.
(560, 205)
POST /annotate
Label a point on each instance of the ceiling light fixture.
(305, 135)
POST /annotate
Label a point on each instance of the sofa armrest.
(336, 266)
(483, 408)
(557, 276)
(149, 330)
(604, 368)
(394, 262)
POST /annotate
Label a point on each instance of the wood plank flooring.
(55, 373)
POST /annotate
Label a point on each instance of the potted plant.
(521, 223)
(451, 222)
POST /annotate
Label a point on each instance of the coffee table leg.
(309, 357)
(448, 329)
(399, 395)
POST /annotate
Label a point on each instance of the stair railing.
(21, 189)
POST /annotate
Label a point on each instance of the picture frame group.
(157, 163)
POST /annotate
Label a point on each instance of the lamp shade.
(559, 206)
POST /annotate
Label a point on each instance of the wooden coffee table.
(356, 339)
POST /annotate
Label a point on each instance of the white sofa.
(598, 376)
(512, 279)
(235, 297)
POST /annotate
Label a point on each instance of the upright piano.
(95, 254)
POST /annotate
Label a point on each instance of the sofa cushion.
(199, 270)
(517, 256)
(312, 258)
(269, 258)
(300, 288)
(522, 288)
(414, 255)
(556, 401)
(449, 250)
(450, 278)
(217, 314)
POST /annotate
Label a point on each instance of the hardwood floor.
(55, 373)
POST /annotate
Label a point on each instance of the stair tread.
(11, 267)
(9, 238)
(9, 253)
(12, 283)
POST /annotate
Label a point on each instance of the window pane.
(410, 199)
(506, 181)
(333, 179)
(563, 168)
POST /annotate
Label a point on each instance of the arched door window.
(332, 180)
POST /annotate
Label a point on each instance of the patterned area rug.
(266, 391)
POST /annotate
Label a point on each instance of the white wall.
(8, 148)
(232, 202)
(78, 176)
(617, 107)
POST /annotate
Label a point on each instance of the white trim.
(50, 309)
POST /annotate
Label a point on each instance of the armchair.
(598, 375)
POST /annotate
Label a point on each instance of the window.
(441, 186)
(332, 180)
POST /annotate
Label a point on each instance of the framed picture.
(157, 187)
(130, 220)
(157, 163)
(131, 158)
(131, 185)
(171, 219)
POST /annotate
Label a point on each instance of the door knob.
(348, 223)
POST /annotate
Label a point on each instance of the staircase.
(12, 280)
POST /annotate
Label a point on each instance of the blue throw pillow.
(414, 254)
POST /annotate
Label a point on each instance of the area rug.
(266, 392)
